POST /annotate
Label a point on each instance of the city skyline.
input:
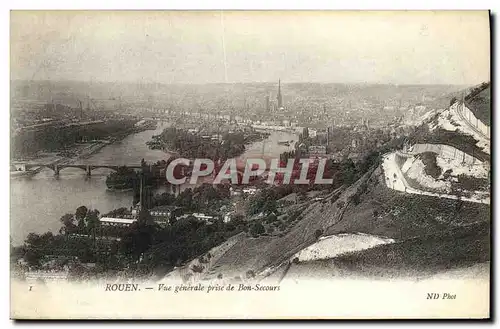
(189, 47)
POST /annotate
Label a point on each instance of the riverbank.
(77, 151)
(37, 203)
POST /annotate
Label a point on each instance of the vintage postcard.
(250, 164)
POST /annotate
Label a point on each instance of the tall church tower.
(279, 98)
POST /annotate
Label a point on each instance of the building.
(163, 211)
(228, 216)
(235, 192)
(34, 276)
(203, 216)
(239, 191)
(317, 150)
(163, 214)
(250, 190)
(199, 216)
(120, 222)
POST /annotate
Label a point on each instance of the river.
(37, 203)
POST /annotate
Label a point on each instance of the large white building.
(123, 222)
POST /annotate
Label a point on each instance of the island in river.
(188, 145)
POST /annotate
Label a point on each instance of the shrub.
(471, 183)
(356, 199)
(257, 229)
(197, 268)
(186, 277)
(447, 173)
(282, 226)
(431, 167)
(318, 233)
(271, 218)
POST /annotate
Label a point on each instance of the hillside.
(385, 212)
(429, 235)
(420, 210)
(480, 104)
(376, 231)
(465, 250)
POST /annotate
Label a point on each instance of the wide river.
(37, 203)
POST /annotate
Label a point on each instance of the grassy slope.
(259, 253)
(318, 216)
(431, 235)
(398, 215)
(380, 211)
(457, 249)
(454, 248)
(240, 257)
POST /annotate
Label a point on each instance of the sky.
(440, 47)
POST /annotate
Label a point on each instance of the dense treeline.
(205, 198)
(153, 174)
(192, 146)
(144, 244)
(465, 143)
(53, 138)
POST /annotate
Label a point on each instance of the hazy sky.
(188, 47)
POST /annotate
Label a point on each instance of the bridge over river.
(34, 168)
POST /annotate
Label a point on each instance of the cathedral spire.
(279, 97)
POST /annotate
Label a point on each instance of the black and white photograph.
(245, 164)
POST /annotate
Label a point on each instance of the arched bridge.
(36, 167)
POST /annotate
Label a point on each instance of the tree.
(356, 199)
(458, 193)
(348, 170)
(81, 212)
(32, 258)
(81, 225)
(250, 274)
(185, 199)
(270, 218)
(197, 268)
(270, 207)
(257, 229)
(318, 233)
(68, 221)
(145, 218)
(302, 196)
(92, 221)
